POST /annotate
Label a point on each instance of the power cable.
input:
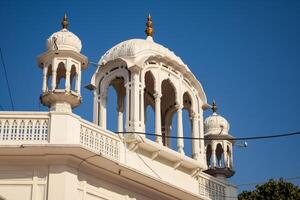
(6, 77)
(217, 138)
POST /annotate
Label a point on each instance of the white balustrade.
(211, 189)
(14, 128)
(98, 141)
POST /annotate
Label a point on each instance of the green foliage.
(272, 190)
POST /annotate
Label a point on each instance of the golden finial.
(214, 106)
(149, 25)
(65, 22)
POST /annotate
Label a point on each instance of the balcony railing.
(211, 189)
(46, 128)
(98, 141)
(22, 128)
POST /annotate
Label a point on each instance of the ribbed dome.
(135, 47)
(64, 40)
(215, 123)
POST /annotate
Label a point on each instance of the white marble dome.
(65, 40)
(214, 125)
(133, 48)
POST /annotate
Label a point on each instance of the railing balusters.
(211, 189)
(14, 130)
(99, 143)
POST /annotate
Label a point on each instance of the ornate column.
(120, 110)
(231, 157)
(67, 83)
(201, 134)
(128, 97)
(157, 97)
(195, 134)
(54, 69)
(214, 157)
(78, 80)
(142, 107)
(180, 143)
(45, 70)
(225, 155)
(102, 109)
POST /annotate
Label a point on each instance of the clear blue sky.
(245, 53)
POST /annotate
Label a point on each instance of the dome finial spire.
(149, 26)
(65, 22)
(214, 106)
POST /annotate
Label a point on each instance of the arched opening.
(149, 122)
(168, 101)
(149, 103)
(115, 105)
(208, 155)
(61, 76)
(111, 114)
(220, 155)
(49, 78)
(73, 78)
(187, 122)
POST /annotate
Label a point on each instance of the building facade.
(58, 155)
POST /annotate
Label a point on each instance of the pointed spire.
(65, 22)
(149, 26)
(214, 107)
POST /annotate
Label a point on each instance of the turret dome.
(216, 124)
(64, 39)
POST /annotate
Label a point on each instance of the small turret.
(218, 145)
(62, 65)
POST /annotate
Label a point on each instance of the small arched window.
(61, 76)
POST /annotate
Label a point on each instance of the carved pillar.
(78, 80)
(214, 157)
(225, 153)
(67, 83)
(142, 108)
(45, 70)
(157, 97)
(54, 69)
(201, 132)
(195, 134)
(231, 157)
(102, 109)
(128, 102)
(180, 143)
(120, 110)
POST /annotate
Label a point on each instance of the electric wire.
(216, 138)
(6, 77)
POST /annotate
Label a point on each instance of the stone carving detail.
(134, 47)
(23, 129)
(64, 40)
(99, 143)
(211, 189)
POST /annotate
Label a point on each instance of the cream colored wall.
(62, 182)
(23, 182)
